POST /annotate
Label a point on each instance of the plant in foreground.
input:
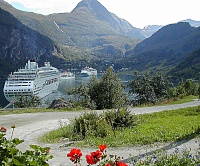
(10, 155)
(159, 158)
(97, 157)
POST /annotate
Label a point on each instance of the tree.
(161, 86)
(143, 89)
(104, 93)
(27, 101)
(109, 91)
(149, 89)
(189, 87)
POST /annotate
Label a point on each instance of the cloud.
(138, 12)
(47, 6)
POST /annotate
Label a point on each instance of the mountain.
(91, 25)
(149, 30)
(193, 23)
(101, 13)
(88, 33)
(166, 48)
(188, 68)
(18, 43)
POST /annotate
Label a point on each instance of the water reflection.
(64, 85)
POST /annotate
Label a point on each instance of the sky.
(139, 13)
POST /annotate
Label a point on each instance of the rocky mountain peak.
(4, 2)
(102, 14)
(95, 7)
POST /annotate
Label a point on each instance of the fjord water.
(64, 85)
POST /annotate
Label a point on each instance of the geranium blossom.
(75, 155)
(102, 147)
(98, 156)
(121, 164)
(93, 157)
(3, 129)
(117, 163)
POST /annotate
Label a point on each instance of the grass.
(182, 100)
(25, 110)
(163, 126)
(171, 101)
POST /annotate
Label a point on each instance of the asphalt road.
(32, 125)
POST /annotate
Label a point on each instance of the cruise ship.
(88, 71)
(39, 81)
(67, 75)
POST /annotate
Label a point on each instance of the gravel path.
(31, 126)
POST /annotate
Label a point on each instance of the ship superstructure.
(67, 75)
(88, 71)
(32, 80)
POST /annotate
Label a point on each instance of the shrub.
(120, 118)
(10, 155)
(94, 125)
(59, 103)
(89, 124)
(27, 101)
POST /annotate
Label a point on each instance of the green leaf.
(17, 141)
(35, 147)
(16, 162)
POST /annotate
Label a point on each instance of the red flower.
(75, 155)
(107, 165)
(90, 159)
(94, 157)
(102, 147)
(3, 129)
(121, 164)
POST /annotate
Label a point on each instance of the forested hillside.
(18, 43)
(166, 48)
(189, 68)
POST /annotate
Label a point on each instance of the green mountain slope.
(189, 68)
(18, 43)
(89, 26)
(167, 47)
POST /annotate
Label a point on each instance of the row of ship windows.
(18, 90)
(47, 82)
(22, 76)
(19, 82)
(11, 95)
(47, 75)
(16, 85)
(37, 90)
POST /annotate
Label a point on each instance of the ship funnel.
(47, 64)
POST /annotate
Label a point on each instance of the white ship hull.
(67, 78)
(34, 81)
(88, 71)
(67, 75)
